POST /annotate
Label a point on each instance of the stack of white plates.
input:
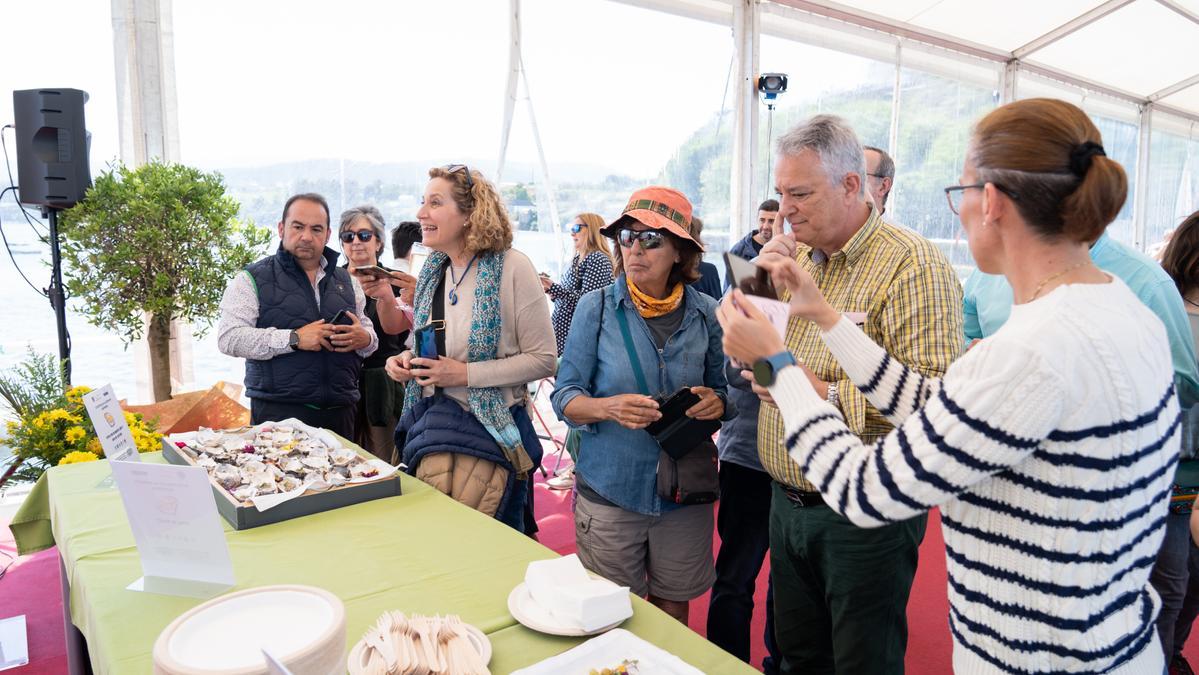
(301, 626)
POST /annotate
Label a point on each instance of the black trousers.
(339, 420)
(743, 522)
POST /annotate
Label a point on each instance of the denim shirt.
(621, 464)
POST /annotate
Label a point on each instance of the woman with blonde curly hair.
(483, 333)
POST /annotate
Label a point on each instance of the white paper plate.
(228, 634)
(477, 638)
(525, 609)
(607, 651)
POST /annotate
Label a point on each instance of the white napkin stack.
(562, 586)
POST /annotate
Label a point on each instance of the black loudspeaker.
(52, 146)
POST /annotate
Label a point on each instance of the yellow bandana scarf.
(649, 306)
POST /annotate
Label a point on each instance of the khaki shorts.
(667, 556)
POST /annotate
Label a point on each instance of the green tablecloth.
(420, 552)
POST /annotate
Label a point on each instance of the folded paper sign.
(563, 587)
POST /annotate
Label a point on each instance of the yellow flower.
(94, 447)
(75, 434)
(75, 394)
(55, 415)
(77, 457)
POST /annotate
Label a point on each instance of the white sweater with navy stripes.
(1049, 446)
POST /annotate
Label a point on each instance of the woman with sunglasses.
(591, 268)
(1049, 446)
(625, 530)
(483, 333)
(379, 407)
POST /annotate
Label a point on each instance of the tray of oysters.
(270, 463)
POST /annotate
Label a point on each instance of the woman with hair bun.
(1049, 447)
(483, 331)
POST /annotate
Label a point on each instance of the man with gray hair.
(880, 175)
(840, 592)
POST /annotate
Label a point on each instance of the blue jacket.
(285, 300)
(621, 464)
(438, 424)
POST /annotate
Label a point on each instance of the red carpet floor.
(31, 587)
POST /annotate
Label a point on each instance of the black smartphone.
(424, 340)
(342, 318)
(751, 279)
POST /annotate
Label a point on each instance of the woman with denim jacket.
(624, 530)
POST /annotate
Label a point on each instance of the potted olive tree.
(158, 241)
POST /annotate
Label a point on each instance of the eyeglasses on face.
(650, 239)
(576, 228)
(455, 168)
(363, 235)
(953, 194)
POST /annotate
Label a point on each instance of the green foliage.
(160, 238)
(34, 385)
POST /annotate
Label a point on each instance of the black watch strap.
(293, 340)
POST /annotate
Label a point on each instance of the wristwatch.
(766, 370)
(834, 395)
(293, 340)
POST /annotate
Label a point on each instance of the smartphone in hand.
(424, 340)
(342, 318)
(375, 271)
(751, 279)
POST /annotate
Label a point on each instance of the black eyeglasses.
(650, 239)
(576, 228)
(455, 168)
(953, 194)
(878, 175)
(363, 235)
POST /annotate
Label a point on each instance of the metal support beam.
(1075, 24)
(854, 17)
(1180, 10)
(148, 119)
(1174, 88)
(743, 193)
(1011, 80)
(1140, 203)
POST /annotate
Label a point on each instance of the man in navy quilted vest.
(298, 320)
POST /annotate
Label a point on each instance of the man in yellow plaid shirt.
(840, 592)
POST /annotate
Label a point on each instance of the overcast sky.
(279, 80)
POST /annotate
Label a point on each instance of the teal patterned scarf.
(486, 403)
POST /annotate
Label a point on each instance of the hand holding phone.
(375, 271)
(751, 279)
(342, 318)
(424, 340)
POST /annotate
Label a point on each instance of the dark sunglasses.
(576, 228)
(650, 239)
(363, 235)
(455, 168)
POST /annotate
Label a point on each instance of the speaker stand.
(57, 296)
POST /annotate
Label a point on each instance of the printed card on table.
(176, 527)
(109, 420)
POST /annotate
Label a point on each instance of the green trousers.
(840, 591)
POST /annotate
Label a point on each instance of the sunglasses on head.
(455, 168)
(363, 235)
(650, 239)
(576, 228)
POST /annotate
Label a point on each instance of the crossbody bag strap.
(628, 345)
(437, 318)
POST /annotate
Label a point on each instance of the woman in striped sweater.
(1049, 446)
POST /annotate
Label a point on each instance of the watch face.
(763, 372)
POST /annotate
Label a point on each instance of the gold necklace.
(1051, 277)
